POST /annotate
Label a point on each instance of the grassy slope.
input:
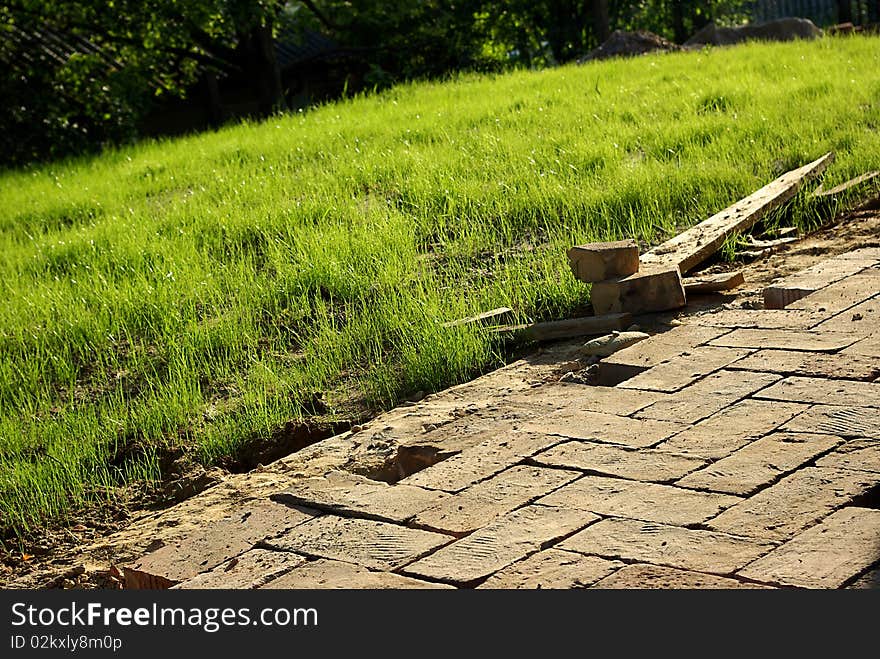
(196, 292)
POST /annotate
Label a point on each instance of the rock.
(783, 29)
(628, 44)
(611, 343)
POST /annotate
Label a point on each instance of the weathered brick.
(482, 461)
(850, 422)
(508, 539)
(612, 400)
(868, 347)
(843, 294)
(825, 556)
(760, 463)
(642, 577)
(808, 340)
(731, 428)
(794, 503)
(637, 500)
(708, 396)
(213, 544)
(647, 291)
(861, 319)
(479, 504)
(356, 496)
(784, 293)
(375, 545)
(759, 318)
(684, 370)
(810, 364)
(251, 569)
(610, 460)
(605, 428)
(859, 454)
(599, 261)
(329, 574)
(656, 350)
(649, 542)
(830, 392)
(554, 569)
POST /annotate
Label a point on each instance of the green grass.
(191, 295)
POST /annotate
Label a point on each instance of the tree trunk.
(844, 11)
(262, 67)
(678, 21)
(601, 22)
(213, 102)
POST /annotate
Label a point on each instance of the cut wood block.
(501, 313)
(695, 245)
(570, 328)
(843, 187)
(723, 281)
(600, 261)
(656, 289)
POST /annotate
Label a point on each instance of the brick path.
(739, 449)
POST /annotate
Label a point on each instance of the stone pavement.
(739, 448)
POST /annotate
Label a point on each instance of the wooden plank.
(723, 281)
(569, 328)
(494, 314)
(843, 187)
(695, 245)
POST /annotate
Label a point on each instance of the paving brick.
(760, 463)
(605, 428)
(356, 496)
(251, 569)
(505, 541)
(869, 346)
(684, 370)
(759, 318)
(552, 568)
(674, 546)
(843, 294)
(640, 576)
(850, 422)
(708, 396)
(599, 261)
(870, 254)
(825, 556)
(830, 392)
(637, 500)
(612, 400)
(862, 319)
(656, 350)
(213, 544)
(481, 503)
(328, 574)
(648, 290)
(375, 545)
(789, 290)
(808, 340)
(810, 364)
(794, 503)
(860, 454)
(868, 581)
(731, 428)
(482, 461)
(609, 460)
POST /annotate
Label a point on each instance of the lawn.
(189, 297)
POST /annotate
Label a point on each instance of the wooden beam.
(723, 281)
(695, 245)
(843, 187)
(494, 314)
(649, 290)
(569, 328)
